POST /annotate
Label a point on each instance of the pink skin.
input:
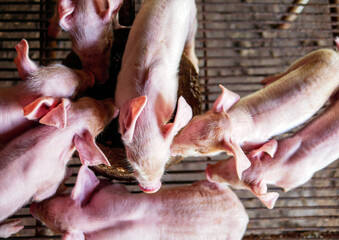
(34, 164)
(100, 210)
(232, 124)
(312, 148)
(54, 80)
(9, 227)
(89, 23)
(146, 92)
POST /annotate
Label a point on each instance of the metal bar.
(237, 14)
(206, 96)
(290, 229)
(209, 21)
(252, 4)
(292, 218)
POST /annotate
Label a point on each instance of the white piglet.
(288, 163)
(104, 211)
(147, 86)
(233, 125)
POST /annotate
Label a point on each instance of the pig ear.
(260, 191)
(241, 160)
(85, 185)
(89, 152)
(268, 199)
(66, 8)
(129, 114)
(24, 64)
(225, 101)
(113, 9)
(74, 235)
(270, 148)
(182, 117)
(40, 107)
(57, 117)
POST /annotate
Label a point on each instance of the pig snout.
(147, 184)
(150, 188)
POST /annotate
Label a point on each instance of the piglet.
(90, 25)
(100, 210)
(146, 91)
(54, 80)
(248, 123)
(34, 163)
(312, 148)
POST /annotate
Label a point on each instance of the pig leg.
(189, 49)
(9, 227)
(22, 61)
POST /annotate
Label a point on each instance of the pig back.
(202, 211)
(153, 50)
(293, 98)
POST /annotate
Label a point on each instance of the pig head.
(10, 227)
(89, 23)
(147, 140)
(211, 133)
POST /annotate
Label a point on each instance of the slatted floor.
(239, 42)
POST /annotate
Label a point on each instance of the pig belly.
(202, 211)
